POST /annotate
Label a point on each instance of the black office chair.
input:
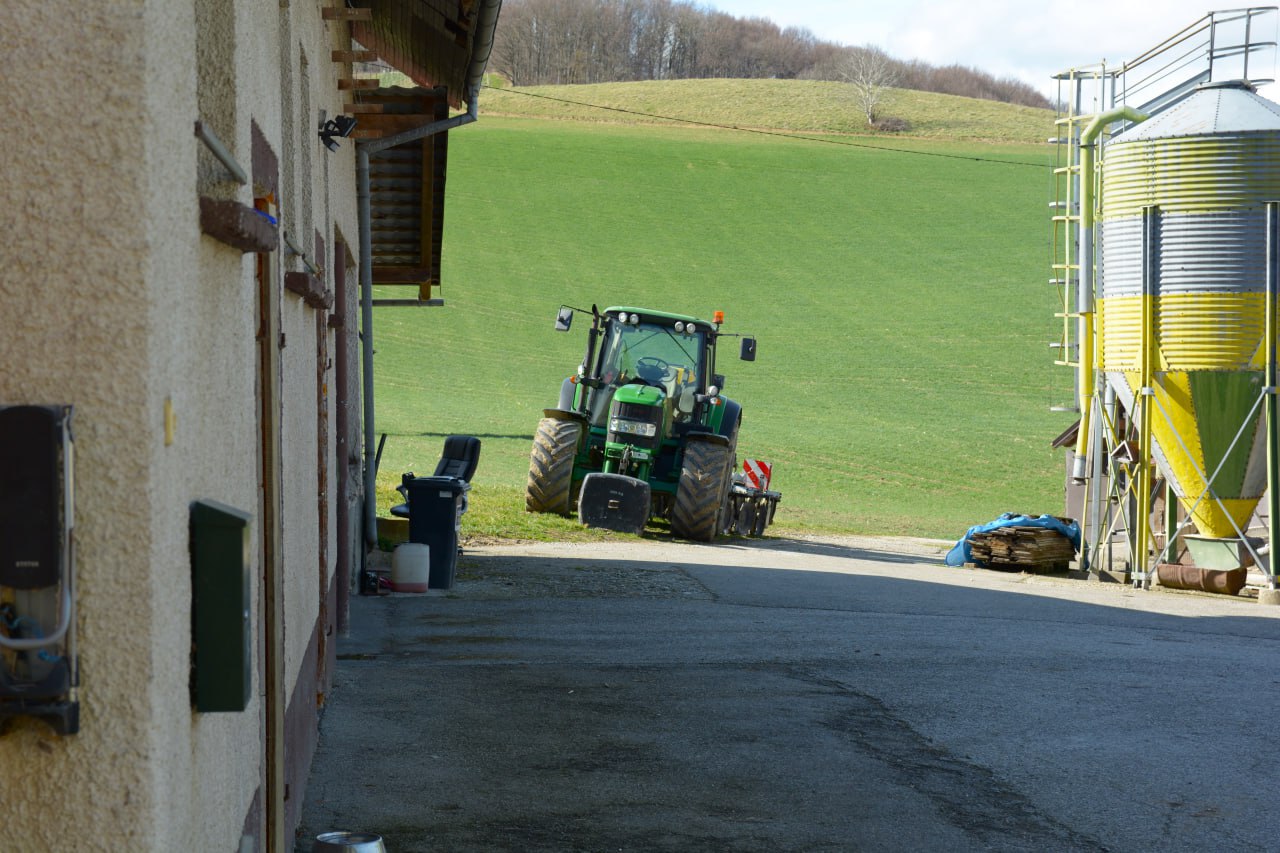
(458, 461)
(459, 458)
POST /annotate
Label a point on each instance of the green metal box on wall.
(220, 592)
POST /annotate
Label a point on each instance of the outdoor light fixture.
(336, 128)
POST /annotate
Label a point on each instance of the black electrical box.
(220, 591)
(39, 671)
(30, 493)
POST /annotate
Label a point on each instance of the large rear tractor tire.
(700, 496)
(549, 488)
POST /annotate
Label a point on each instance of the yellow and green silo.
(1182, 292)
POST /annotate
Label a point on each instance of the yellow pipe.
(1085, 337)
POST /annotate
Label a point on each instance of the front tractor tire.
(700, 496)
(550, 485)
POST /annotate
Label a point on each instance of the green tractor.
(642, 430)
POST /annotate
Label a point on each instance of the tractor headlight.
(623, 426)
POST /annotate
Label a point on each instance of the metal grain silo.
(1182, 290)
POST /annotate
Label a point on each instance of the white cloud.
(1002, 37)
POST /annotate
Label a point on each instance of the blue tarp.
(961, 553)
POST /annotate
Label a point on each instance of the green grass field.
(899, 299)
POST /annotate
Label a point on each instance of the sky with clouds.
(1007, 38)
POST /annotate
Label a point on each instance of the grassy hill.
(812, 106)
(899, 299)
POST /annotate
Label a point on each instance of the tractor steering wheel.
(652, 369)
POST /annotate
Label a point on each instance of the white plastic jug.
(410, 566)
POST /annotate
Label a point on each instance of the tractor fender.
(708, 438)
(568, 391)
(730, 413)
(566, 415)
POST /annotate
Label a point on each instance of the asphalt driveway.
(788, 695)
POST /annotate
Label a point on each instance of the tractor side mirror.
(748, 351)
(564, 319)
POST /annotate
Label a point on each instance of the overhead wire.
(763, 132)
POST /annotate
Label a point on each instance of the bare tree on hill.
(873, 74)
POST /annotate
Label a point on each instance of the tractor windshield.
(650, 354)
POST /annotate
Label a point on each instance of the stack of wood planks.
(1028, 549)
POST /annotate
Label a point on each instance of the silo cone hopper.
(1207, 427)
(1183, 292)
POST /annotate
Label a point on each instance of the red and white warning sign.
(758, 473)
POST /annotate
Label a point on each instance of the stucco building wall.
(112, 300)
(73, 329)
(201, 326)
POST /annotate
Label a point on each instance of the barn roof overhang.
(443, 47)
(436, 43)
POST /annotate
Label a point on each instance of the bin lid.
(452, 484)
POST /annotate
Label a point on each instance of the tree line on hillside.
(553, 42)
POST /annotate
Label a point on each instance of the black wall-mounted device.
(38, 673)
(30, 493)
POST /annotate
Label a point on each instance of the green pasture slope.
(900, 301)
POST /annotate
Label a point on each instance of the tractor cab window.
(648, 354)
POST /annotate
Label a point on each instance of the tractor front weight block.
(614, 502)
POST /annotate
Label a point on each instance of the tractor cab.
(668, 355)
